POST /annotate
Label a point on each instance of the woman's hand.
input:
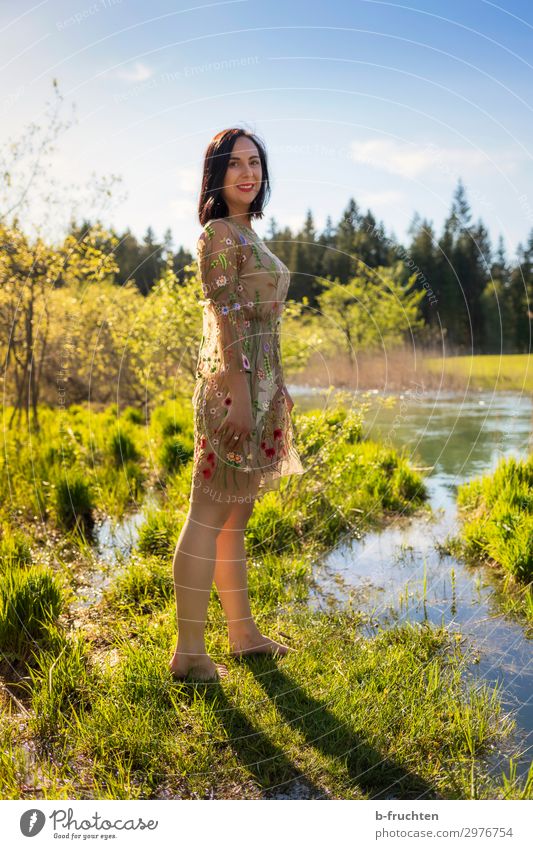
(238, 421)
(290, 402)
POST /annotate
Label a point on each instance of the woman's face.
(242, 180)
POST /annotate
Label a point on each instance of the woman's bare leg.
(194, 562)
(231, 580)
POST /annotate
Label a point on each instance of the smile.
(246, 187)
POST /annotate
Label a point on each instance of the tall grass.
(497, 518)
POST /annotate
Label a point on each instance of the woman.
(242, 428)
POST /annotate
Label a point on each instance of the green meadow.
(487, 371)
(89, 708)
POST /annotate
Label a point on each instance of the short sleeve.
(219, 260)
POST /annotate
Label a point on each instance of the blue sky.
(385, 102)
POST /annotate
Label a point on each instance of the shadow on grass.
(371, 775)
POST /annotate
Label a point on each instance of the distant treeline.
(474, 295)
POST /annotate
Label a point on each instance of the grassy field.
(403, 369)
(89, 709)
(491, 371)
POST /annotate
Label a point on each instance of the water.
(114, 543)
(460, 437)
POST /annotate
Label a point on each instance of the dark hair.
(217, 155)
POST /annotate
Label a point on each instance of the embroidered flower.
(270, 452)
(245, 361)
(206, 473)
(228, 241)
(266, 346)
(234, 458)
(227, 401)
(247, 323)
(250, 304)
(224, 310)
(211, 458)
(219, 394)
(277, 433)
(213, 410)
(260, 374)
(240, 287)
(203, 442)
(236, 306)
(222, 280)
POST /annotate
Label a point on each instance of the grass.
(489, 371)
(496, 512)
(91, 711)
(349, 717)
(406, 368)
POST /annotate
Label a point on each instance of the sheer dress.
(244, 287)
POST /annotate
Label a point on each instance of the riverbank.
(356, 711)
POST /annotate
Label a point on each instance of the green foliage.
(497, 518)
(143, 587)
(373, 310)
(175, 452)
(122, 447)
(158, 535)
(63, 684)
(30, 601)
(134, 415)
(14, 549)
(271, 528)
(73, 501)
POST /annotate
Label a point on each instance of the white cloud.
(136, 74)
(412, 160)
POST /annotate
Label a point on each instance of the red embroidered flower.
(227, 401)
(206, 473)
(211, 458)
(270, 452)
(203, 442)
(277, 433)
(263, 444)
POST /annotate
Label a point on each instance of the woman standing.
(242, 427)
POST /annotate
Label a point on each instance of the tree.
(373, 309)
(29, 273)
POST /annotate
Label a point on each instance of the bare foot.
(258, 644)
(197, 666)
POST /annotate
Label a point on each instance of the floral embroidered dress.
(244, 286)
